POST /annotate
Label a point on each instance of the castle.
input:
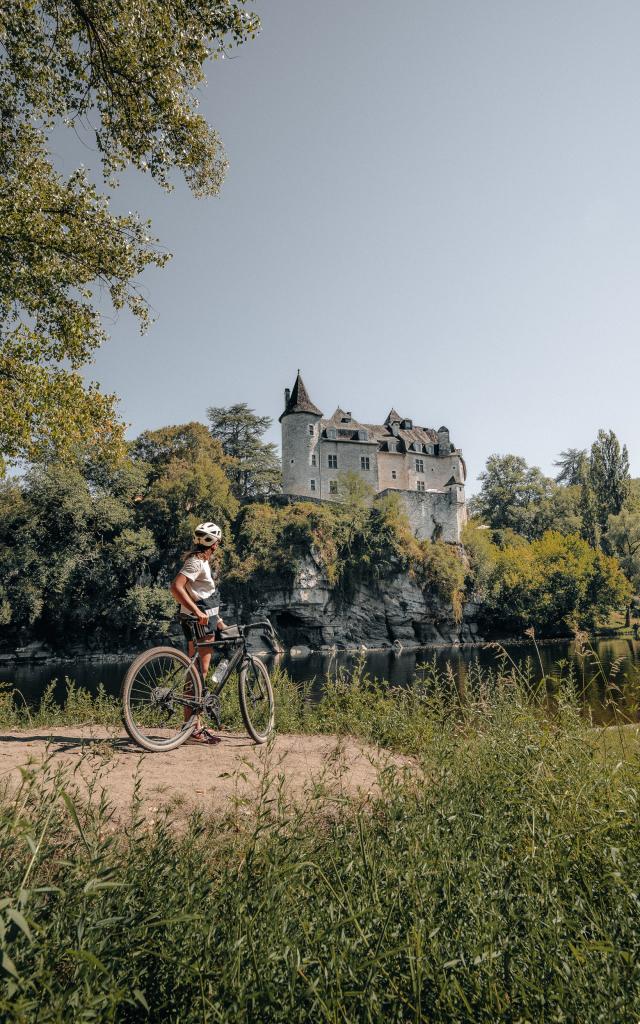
(421, 464)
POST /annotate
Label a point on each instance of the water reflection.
(606, 679)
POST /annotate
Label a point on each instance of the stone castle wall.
(435, 515)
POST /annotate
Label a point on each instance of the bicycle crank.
(211, 705)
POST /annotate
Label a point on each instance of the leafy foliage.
(254, 466)
(623, 538)
(69, 551)
(518, 497)
(554, 583)
(570, 464)
(187, 484)
(133, 71)
(609, 475)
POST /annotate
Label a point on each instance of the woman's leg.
(204, 658)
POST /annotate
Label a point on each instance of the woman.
(195, 590)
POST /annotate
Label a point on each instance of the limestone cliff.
(309, 611)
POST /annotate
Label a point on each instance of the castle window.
(421, 485)
(311, 430)
(393, 474)
(333, 487)
(312, 485)
(332, 461)
(365, 462)
(419, 465)
(313, 460)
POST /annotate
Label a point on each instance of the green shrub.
(553, 584)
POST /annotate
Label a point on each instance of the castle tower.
(300, 433)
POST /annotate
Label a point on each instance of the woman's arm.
(179, 590)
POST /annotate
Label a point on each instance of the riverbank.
(210, 781)
(37, 653)
(489, 874)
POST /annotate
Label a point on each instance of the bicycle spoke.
(154, 694)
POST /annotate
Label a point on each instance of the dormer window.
(407, 424)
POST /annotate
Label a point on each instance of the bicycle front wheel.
(153, 693)
(256, 699)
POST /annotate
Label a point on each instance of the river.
(617, 659)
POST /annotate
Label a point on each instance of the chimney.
(287, 396)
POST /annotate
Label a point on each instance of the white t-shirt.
(200, 583)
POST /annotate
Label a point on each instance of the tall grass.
(352, 702)
(493, 879)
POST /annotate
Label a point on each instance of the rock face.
(377, 614)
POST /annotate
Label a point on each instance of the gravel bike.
(163, 692)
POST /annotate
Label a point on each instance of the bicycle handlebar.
(249, 626)
(256, 625)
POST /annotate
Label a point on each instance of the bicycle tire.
(148, 705)
(254, 687)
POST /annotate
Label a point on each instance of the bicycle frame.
(240, 652)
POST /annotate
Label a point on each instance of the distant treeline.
(576, 529)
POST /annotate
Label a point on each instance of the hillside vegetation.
(87, 550)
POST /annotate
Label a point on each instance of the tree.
(590, 529)
(256, 470)
(623, 536)
(552, 583)
(515, 496)
(609, 476)
(571, 464)
(69, 552)
(188, 484)
(158, 448)
(133, 71)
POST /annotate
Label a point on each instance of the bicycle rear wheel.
(256, 699)
(152, 690)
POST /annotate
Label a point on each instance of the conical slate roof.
(299, 400)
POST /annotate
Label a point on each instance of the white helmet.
(207, 534)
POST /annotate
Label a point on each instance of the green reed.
(492, 878)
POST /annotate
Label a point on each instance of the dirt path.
(216, 779)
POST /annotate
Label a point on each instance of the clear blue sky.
(431, 205)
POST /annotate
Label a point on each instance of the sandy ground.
(217, 779)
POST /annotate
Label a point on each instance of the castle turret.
(299, 423)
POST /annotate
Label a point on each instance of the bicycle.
(163, 683)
